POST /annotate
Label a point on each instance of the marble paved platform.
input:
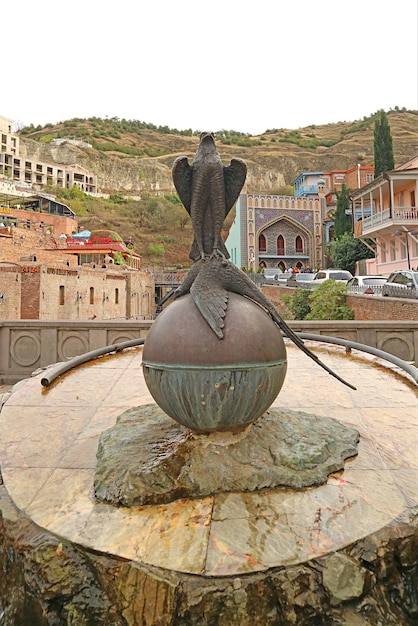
(48, 444)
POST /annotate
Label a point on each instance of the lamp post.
(407, 232)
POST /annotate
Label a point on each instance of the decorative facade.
(278, 231)
(291, 231)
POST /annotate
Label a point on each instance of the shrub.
(298, 303)
(328, 302)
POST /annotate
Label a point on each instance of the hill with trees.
(133, 163)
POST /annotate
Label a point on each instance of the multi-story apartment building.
(385, 211)
(306, 184)
(38, 174)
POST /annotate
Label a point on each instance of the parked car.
(401, 284)
(271, 275)
(301, 279)
(341, 276)
(366, 284)
(285, 278)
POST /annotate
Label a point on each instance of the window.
(62, 294)
(262, 243)
(91, 295)
(299, 245)
(280, 245)
(403, 248)
(116, 296)
(383, 252)
(393, 251)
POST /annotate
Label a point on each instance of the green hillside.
(128, 154)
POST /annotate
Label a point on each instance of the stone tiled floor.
(48, 444)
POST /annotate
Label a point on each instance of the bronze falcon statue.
(208, 190)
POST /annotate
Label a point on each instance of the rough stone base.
(148, 458)
(48, 581)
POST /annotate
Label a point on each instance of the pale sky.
(213, 65)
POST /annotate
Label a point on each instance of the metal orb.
(210, 384)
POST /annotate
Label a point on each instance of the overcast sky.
(209, 65)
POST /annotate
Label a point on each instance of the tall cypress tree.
(383, 146)
(342, 223)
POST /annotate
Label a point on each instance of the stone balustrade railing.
(28, 345)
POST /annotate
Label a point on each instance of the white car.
(366, 284)
(402, 284)
(340, 276)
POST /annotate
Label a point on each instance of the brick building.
(53, 291)
(41, 278)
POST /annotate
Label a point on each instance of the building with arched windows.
(291, 231)
(279, 231)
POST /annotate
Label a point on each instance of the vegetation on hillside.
(157, 228)
(134, 138)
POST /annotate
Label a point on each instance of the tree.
(347, 250)
(343, 222)
(383, 146)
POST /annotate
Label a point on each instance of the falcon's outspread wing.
(182, 177)
(234, 178)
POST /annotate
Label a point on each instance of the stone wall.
(30, 287)
(57, 292)
(364, 307)
(28, 345)
(10, 290)
(371, 308)
(388, 324)
(16, 243)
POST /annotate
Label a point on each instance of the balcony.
(307, 190)
(384, 222)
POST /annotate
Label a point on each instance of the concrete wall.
(388, 324)
(27, 345)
